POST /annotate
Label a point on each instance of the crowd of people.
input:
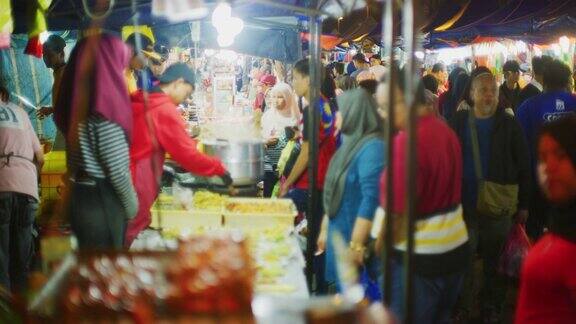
(489, 156)
(480, 172)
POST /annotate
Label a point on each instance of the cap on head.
(178, 71)
(55, 43)
(511, 66)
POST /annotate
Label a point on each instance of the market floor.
(509, 304)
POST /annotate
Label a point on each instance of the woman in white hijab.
(283, 113)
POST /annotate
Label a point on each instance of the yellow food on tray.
(278, 288)
(270, 274)
(208, 200)
(264, 207)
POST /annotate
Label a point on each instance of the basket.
(51, 181)
(190, 219)
(252, 219)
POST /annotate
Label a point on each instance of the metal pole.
(388, 33)
(411, 158)
(313, 125)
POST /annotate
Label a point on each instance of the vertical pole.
(411, 158)
(313, 126)
(388, 34)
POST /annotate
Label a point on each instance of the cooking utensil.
(243, 159)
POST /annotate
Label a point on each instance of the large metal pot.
(244, 160)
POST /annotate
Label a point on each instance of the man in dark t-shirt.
(510, 89)
(534, 88)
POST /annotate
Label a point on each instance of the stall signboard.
(223, 87)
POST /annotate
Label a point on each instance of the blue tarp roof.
(530, 20)
(69, 14)
(277, 39)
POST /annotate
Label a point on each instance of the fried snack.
(264, 207)
(208, 201)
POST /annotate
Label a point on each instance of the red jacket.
(158, 129)
(169, 136)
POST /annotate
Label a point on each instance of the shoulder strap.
(475, 145)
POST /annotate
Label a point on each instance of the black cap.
(511, 66)
(177, 71)
(359, 57)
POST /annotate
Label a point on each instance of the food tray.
(251, 219)
(177, 219)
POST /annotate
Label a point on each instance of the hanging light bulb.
(225, 40)
(221, 14)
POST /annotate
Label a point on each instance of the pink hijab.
(94, 83)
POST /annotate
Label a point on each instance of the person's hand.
(283, 190)
(233, 191)
(379, 245)
(522, 216)
(272, 141)
(44, 112)
(321, 243)
(227, 179)
(357, 253)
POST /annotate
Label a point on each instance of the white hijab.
(273, 122)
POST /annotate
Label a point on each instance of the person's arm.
(45, 111)
(172, 136)
(398, 188)
(370, 166)
(39, 159)
(300, 165)
(114, 155)
(36, 147)
(522, 158)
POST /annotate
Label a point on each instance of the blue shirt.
(484, 127)
(360, 197)
(544, 108)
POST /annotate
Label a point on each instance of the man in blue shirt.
(556, 102)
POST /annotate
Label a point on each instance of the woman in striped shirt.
(93, 111)
(283, 113)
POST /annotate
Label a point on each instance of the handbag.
(494, 199)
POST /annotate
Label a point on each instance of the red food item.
(206, 275)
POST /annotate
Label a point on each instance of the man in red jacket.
(159, 128)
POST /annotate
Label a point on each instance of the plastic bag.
(517, 246)
(371, 289)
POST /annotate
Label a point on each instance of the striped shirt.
(440, 234)
(272, 154)
(104, 154)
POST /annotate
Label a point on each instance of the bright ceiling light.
(225, 40)
(564, 43)
(226, 25)
(221, 14)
